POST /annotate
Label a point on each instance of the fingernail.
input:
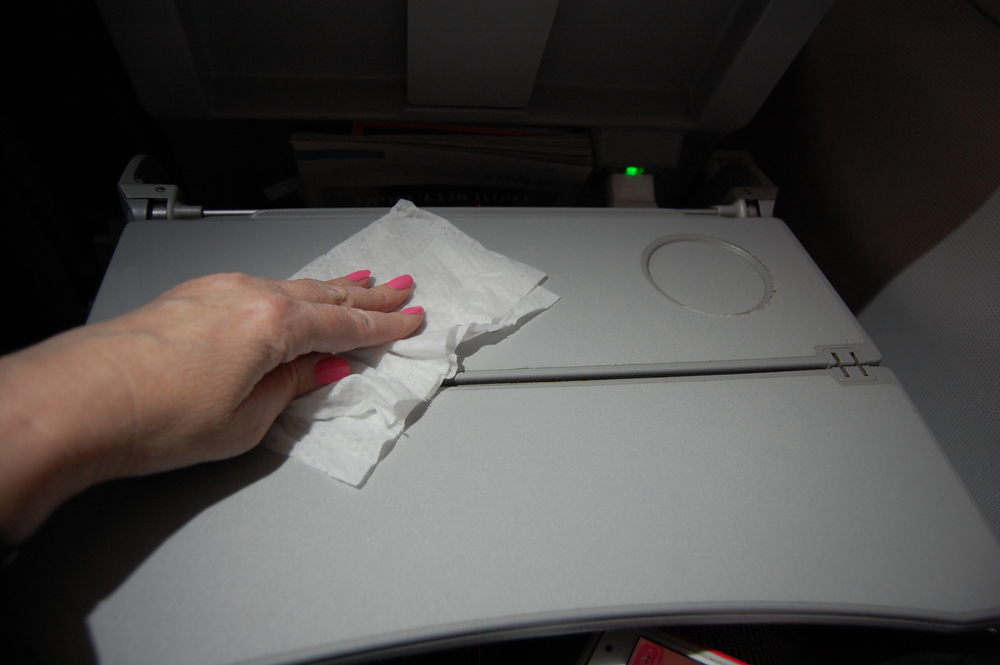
(359, 275)
(401, 282)
(416, 309)
(332, 369)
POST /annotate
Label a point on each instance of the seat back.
(938, 327)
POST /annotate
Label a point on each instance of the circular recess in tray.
(707, 275)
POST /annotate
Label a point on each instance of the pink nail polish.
(416, 309)
(332, 369)
(359, 275)
(401, 282)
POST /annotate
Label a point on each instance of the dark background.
(883, 136)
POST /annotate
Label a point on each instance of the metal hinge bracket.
(146, 194)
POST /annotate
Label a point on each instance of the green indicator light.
(634, 170)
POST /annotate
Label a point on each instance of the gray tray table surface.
(518, 508)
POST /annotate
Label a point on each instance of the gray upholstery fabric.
(938, 327)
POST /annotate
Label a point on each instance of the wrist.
(55, 437)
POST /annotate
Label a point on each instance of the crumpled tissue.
(465, 290)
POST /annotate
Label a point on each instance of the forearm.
(59, 412)
(198, 374)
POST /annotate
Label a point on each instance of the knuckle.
(271, 309)
(310, 282)
(269, 324)
(331, 294)
(367, 327)
(229, 280)
(208, 284)
(340, 296)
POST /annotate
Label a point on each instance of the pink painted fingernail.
(416, 309)
(401, 282)
(332, 369)
(359, 275)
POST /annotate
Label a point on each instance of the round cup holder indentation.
(707, 275)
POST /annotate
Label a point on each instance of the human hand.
(198, 374)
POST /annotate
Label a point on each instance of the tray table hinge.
(146, 194)
(848, 364)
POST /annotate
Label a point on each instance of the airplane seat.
(938, 327)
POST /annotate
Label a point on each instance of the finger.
(359, 278)
(339, 329)
(279, 387)
(384, 298)
(326, 371)
(302, 375)
(389, 296)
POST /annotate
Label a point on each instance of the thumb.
(286, 382)
(300, 376)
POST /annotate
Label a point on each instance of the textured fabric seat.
(938, 327)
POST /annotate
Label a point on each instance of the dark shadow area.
(561, 650)
(754, 644)
(69, 125)
(786, 644)
(882, 136)
(97, 539)
(418, 411)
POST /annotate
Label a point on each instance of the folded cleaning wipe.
(465, 290)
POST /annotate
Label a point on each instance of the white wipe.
(465, 290)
